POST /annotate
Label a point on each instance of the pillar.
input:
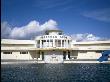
(40, 56)
(53, 42)
(40, 43)
(49, 43)
(61, 43)
(64, 43)
(67, 43)
(67, 55)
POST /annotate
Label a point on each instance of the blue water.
(55, 73)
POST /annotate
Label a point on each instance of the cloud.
(28, 31)
(86, 37)
(5, 30)
(33, 28)
(100, 14)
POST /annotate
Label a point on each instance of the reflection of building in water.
(53, 47)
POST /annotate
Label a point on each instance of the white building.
(53, 47)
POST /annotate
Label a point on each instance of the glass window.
(44, 40)
(7, 52)
(51, 40)
(55, 36)
(59, 43)
(60, 33)
(23, 52)
(68, 41)
(38, 41)
(99, 51)
(64, 55)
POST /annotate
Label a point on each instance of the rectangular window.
(59, 43)
(7, 52)
(99, 51)
(23, 52)
(44, 40)
(83, 51)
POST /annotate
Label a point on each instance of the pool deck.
(35, 61)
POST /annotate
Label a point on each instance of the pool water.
(55, 73)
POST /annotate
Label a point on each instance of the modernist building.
(53, 47)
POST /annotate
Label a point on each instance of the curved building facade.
(53, 47)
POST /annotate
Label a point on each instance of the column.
(64, 43)
(67, 55)
(49, 43)
(40, 43)
(61, 43)
(67, 43)
(40, 56)
(53, 42)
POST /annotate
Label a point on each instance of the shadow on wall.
(34, 54)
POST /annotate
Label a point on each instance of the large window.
(62, 43)
(59, 43)
(7, 52)
(68, 54)
(64, 54)
(42, 55)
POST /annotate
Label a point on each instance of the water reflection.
(55, 73)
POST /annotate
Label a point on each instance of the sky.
(82, 19)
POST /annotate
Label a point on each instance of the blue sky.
(72, 16)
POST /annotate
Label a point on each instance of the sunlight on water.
(55, 73)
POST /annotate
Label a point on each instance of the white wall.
(88, 55)
(58, 56)
(16, 55)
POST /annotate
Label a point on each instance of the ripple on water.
(55, 73)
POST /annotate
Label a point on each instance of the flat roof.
(93, 42)
(13, 41)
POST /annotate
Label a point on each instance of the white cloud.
(100, 14)
(34, 28)
(5, 30)
(28, 31)
(86, 37)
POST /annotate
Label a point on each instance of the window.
(62, 43)
(83, 51)
(44, 40)
(7, 52)
(68, 54)
(64, 55)
(51, 40)
(68, 41)
(23, 52)
(59, 43)
(38, 42)
(47, 33)
(60, 33)
(61, 36)
(38, 54)
(55, 36)
(99, 51)
(42, 55)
